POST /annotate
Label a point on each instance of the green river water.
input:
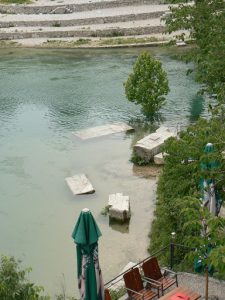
(45, 95)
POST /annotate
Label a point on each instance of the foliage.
(64, 297)
(135, 159)
(128, 40)
(15, 1)
(177, 209)
(66, 44)
(147, 84)
(14, 284)
(117, 294)
(205, 22)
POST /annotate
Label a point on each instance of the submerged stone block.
(150, 145)
(79, 184)
(119, 207)
(102, 130)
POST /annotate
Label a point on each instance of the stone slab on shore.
(79, 184)
(102, 130)
(159, 159)
(149, 146)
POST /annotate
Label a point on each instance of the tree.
(147, 84)
(204, 21)
(179, 187)
(14, 284)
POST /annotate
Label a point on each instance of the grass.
(66, 44)
(124, 41)
(8, 44)
(14, 1)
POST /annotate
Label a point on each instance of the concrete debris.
(150, 145)
(102, 130)
(119, 207)
(79, 184)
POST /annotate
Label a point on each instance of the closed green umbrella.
(210, 196)
(85, 235)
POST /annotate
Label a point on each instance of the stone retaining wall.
(82, 33)
(87, 21)
(69, 8)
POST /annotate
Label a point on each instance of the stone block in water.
(102, 130)
(79, 184)
(150, 145)
(119, 207)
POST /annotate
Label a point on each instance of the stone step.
(139, 27)
(48, 7)
(113, 15)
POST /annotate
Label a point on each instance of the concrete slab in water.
(102, 130)
(79, 184)
(149, 146)
(119, 207)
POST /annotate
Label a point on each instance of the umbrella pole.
(206, 283)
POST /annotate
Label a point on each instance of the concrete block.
(150, 145)
(159, 159)
(79, 184)
(119, 207)
(102, 130)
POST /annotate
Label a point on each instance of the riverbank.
(90, 43)
(84, 24)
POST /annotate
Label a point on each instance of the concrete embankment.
(46, 20)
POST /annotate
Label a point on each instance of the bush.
(178, 190)
(14, 284)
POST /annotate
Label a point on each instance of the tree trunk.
(206, 283)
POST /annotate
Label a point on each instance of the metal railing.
(172, 252)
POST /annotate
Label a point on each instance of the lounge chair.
(135, 287)
(157, 280)
(107, 295)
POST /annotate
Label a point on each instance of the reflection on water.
(118, 226)
(44, 96)
(197, 107)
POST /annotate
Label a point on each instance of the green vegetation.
(178, 209)
(117, 294)
(147, 85)
(15, 1)
(14, 284)
(7, 44)
(66, 44)
(56, 24)
(205, 21)
(124, 41)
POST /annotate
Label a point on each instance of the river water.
(45, 95)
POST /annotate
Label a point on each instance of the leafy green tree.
(14, 284)
(147, 84)
(204, 20)
(177, 209)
